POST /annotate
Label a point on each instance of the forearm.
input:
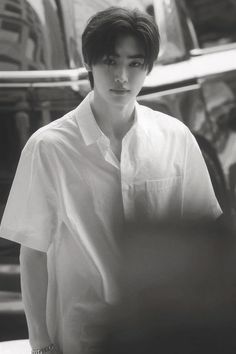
(34, 284)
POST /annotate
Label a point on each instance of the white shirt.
(70, 196)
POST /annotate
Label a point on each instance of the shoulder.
(156, 122)
(53, 134)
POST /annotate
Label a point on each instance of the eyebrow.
(134, 56)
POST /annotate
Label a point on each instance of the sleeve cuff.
(24, 240)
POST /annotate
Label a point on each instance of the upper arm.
(30, 214)
(29, 255)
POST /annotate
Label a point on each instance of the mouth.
(120, 91)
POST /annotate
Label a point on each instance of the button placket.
(105, 148)
(126, 182)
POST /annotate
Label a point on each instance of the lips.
(120, 91)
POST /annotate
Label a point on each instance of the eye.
(108, 61)
(136, 64)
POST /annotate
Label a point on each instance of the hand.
(53, 350)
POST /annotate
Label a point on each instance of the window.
(8, 64)
(31, 34)
(213, 20)
(10, 32)
(12, 8)
(30, 47)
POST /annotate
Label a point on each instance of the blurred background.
(42, 77)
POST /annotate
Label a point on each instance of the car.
(42, 77)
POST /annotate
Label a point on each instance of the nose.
(121, 75)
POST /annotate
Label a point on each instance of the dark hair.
(103, 29)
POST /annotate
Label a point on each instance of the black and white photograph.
(118, 176)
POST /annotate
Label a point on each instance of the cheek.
(102, 77)
(137, 79)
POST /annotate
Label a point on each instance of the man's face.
(119, 77)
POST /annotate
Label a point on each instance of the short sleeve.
(199, 200)
(30, 215)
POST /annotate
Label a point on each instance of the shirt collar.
(88, 126)
(141, 117)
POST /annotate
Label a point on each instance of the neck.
(113, 120)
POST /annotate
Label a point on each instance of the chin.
(121, 99)
(121, 102)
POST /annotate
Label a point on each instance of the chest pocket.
(163, 198)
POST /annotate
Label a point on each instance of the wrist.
(39, 338)
(47, 349)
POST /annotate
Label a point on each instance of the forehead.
(129, 46)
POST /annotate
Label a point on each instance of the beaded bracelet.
(43, 350)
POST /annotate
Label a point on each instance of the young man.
(82, 176)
